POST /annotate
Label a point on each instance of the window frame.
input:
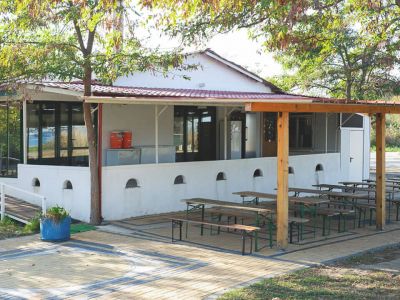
(57, 159)
(297, 117)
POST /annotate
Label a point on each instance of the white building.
(191, 138)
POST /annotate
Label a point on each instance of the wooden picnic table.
(304, 202)
(390, 192)
(331, 187)
(369, 184)
(201, 203)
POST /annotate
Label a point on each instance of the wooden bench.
(397, 203)
(329, 213)
(298, 222)
(246, 231)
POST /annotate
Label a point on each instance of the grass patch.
(9, 228)
(345, 280)
(387, 149)
(81, 227)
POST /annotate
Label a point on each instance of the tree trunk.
(95, 209)
(348, 88)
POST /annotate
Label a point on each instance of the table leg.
(187, 218)
(270, 228)
(180, 230)
(202, 219)
(172, 233)
(390, 201)
(251, 243)
(243, 242)
(301, 216)
(256, 233)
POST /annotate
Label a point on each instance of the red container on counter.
(127, 139)
(116, 139)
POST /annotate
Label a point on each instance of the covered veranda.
(377, 108)
(283, 107)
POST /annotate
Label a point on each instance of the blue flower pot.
(55, 232)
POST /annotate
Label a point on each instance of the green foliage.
(8, 222)
(33, 226)
(341, 48)
(62, 39)
(392, 137)
(9, 228)
(56, 213)
(69, 40)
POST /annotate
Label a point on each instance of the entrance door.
(356, 155)
(269, 145)
(207, 145)
(194, 133)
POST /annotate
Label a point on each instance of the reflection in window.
(192, 132)
(33, 131)
(300, 131)
(178, 133)
(57, 134)
(79, 138)
(10, 138)
(64, 132)
(48, 130)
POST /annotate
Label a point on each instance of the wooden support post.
(282, 182)
(380, 172)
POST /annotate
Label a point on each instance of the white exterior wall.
(52, 178)
(210, 75)
(158, 194)
(367, 146)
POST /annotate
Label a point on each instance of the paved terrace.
(136, 260)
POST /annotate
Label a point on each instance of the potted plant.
(55, 225)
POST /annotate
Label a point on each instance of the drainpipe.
(100, 151)
(24, 132)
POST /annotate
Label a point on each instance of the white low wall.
(157, 192)
(52, 179)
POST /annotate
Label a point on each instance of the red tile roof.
(124, 91)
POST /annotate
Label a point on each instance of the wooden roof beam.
(324, 107)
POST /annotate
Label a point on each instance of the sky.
(234, 46)
(237, 47)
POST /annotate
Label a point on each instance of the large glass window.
(194, 133)
(10, 139)
(57, 134)
(48, 130)
(300, 131)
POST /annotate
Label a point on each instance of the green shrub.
(33, 226)
(56, 213)
(8, 222)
